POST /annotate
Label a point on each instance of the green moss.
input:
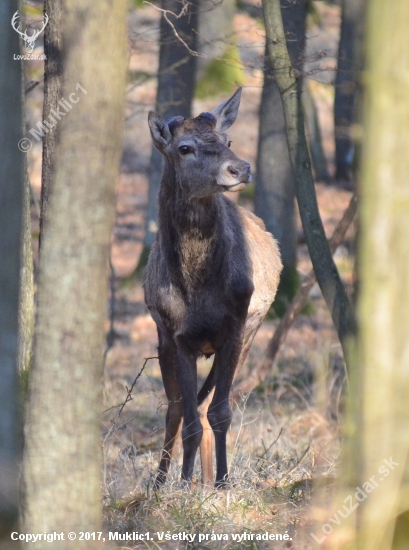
(222, 75)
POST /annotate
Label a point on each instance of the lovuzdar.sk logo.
(29, 39)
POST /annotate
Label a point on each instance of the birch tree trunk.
(62, 451)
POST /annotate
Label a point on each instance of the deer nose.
(239, 172)
(233, 171)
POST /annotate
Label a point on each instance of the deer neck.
(188, 227)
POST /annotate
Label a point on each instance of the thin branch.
(183, 12)
(128, 397)
(31, 85)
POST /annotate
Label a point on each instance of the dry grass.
(284, 437)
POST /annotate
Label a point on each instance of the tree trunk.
(325, 269)
(219, 68)
(378, 400)
(274, 192)
(26, 306)
(11, 205)
(52, 94)
(62, 451)
(176, 84)
(347, 85)
(314, 137)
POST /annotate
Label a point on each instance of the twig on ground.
(128, 397)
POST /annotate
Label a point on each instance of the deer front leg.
(167, 359)
(192, 430)
(220, 413)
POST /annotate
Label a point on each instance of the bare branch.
(128, 397)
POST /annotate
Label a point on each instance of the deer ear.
(226, 112)
(160, 132)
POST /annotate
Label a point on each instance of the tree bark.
(176, 84)
(26, 305)
(219, 67)
(274, 200)
(62, 451)
(52, 94)
(325, 269)
(347, 85)
(314, 137)
(378, 404)
(11, 206)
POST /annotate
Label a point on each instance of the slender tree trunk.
(11, 206)
(347, 85)
(26, 306)
(325, 269)
(216, 31)
(314, 137)
(176, 84)
(274, 196)
(378, 401)
(219, 68)
(52, 94)
(62, 451)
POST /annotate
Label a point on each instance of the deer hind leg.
(207, 443)
(174, 413)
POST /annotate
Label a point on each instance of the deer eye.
(185, 150)
(229, 144)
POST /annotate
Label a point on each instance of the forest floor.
(284, 436)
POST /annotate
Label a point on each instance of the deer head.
(29, 40)
(199, 151)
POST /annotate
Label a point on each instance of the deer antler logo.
(29, 40)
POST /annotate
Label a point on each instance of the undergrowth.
(280, 443)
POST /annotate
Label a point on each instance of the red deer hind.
(211, 277)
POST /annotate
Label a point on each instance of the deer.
(211, 277)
